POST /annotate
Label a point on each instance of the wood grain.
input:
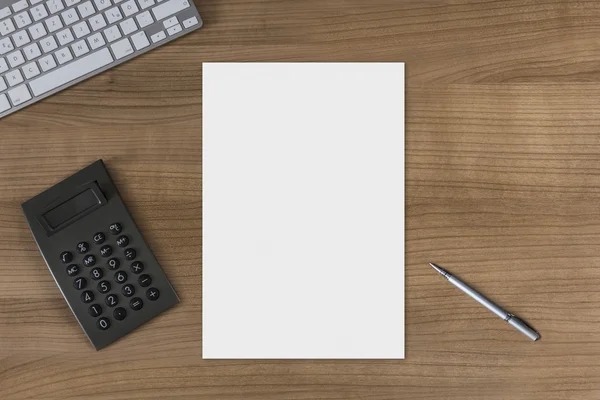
(502, 186)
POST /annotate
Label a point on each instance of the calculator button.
(129, 254)
(105, 251)
(120, 277)
(104, 287)
(137, 267)
(128, 290)
(87, 296)
(144, 280)
(96, 274)
(103, 323)
(83, 247)
(136, 304)
(152, 294)
(112, 300)
(66, 257)
(115, 228)
(79, 283)
(122, 241)
(99, 238)
(95, 310)
(119, 313)
(113, 263)
(72, 269)
(89, 260)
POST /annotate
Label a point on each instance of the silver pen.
(516, 322)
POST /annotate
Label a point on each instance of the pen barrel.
(522, 327)
(490, 305)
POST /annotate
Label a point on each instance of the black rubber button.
(95, 310)
(136, 304)
(130, 254)
(87, 296)
(79, 283)
(120, 277)
(96, 273)
(72, 269)
(89, 260)
(128, 290)
(83, 247)
(99, 238)
(104, 287)
(119, 313)
(144, 280)
(152, 294)
(105, 251)
(113, 263)
(115, 228)
(137, 267)
(66, 257)
(111, 300)
(122, 241)
(103, 323)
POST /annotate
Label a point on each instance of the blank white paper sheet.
(303, 210)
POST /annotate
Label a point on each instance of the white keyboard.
(47, 46)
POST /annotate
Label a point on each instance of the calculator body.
(101, 263)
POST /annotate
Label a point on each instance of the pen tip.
(438, 269)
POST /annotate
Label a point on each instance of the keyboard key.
(47, 63)
(169, 22)
(96, 41)
(81, 29)
(14, 77)
(37, 31)
(7, 27)
(39, 12)
(111, 300)
(136, 304)
(19, 95)
(63, 56)
(34, 2)
(122, 49)
(146, 3)
(95, 310)
(97, 22)
(174, 30)
(49, 44)
(70, 16)
(66, 257)
(129, 8)
(152, 294)
(78, 68)
(55, 6)
(137, 267)
(3, 66)
(144, 280)
(3, 85)
(22, 20)
(87, 296)
(128, 290)
(120, 313)
(5, 12)
(32, 51)
(71, 3)
(6, 46)
(65, 37)
(169, 8)
(140, 40)
(16, 58)
(103, 323)
(113, 15)
(86, 9)
(20, 5)
(102, 4)
(158, 36)
(53, 23)
(144, 19)
(104, 287)
(113, 33)
(190, 22)
(20, 38)
(128, 26)
(31, 70)
(80, 48)
(4, 104)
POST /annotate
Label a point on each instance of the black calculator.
(105, 270)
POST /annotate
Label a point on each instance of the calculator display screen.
(71, 208)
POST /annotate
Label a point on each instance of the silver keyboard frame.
(150, 30)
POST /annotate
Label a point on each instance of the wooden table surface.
(502, 186)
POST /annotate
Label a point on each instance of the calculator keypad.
(110, 287)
